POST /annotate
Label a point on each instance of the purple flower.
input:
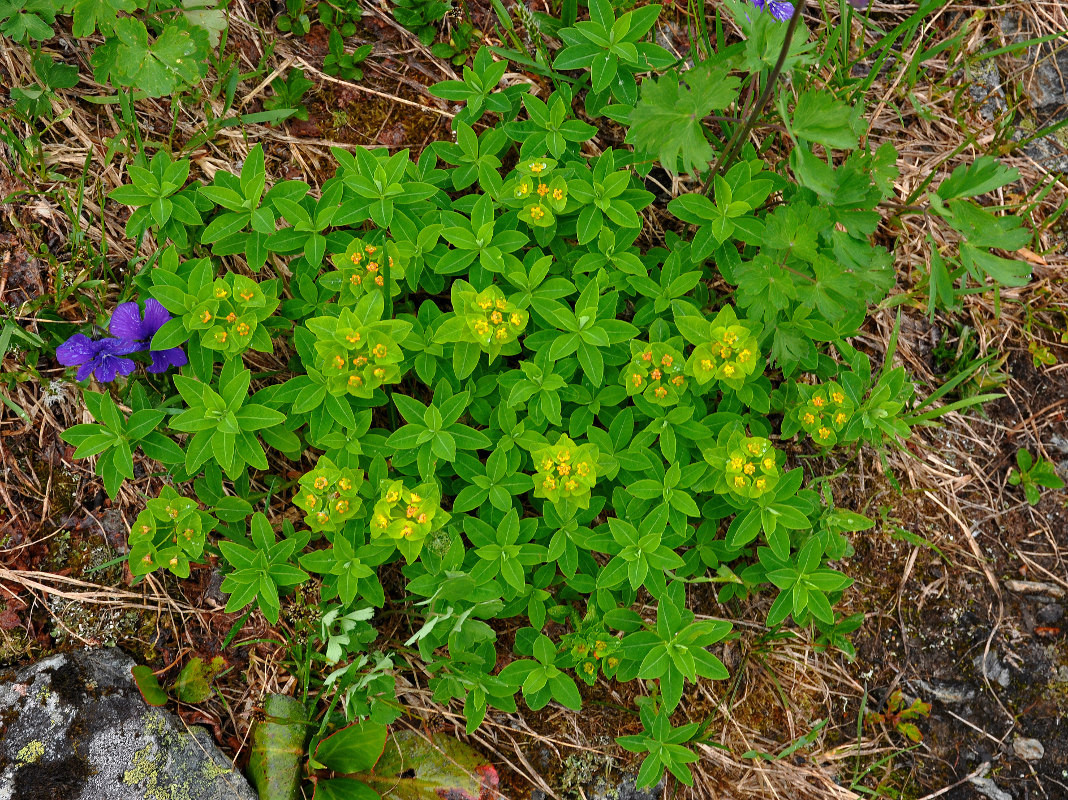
(101, 358)
(128, 324)
(780, 9)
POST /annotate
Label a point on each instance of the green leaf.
(819, 117)
(415, 766)
(277, 753)
(355, 748)
(194, 681)
(344, 789)
(148, 685)
(668, 119)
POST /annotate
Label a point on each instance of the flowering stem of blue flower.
(731, 150)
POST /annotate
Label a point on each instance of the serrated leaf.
(668, 119)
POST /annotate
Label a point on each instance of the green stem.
(741, 133)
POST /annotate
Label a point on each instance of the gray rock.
(989, 789)
(74, 727)
(996, 672)
(948, 693)
(1044, 71)
(1050, 614)
(1028, 749)
(1046, 82)
(623, 788)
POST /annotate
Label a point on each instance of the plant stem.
(741, 133)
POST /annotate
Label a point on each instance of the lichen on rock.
(74, 727)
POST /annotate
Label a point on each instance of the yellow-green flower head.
(355, 359)
(488, 318)
(168, 534)
(730, 356)
(228, 312)
(543, 195)
(362, 269)
(407, 516)
(566, 472)
(328, 495)
(751, 467)
(657, 372)
(825, 412)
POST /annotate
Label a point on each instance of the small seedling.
(296, 19)
(341, 16)
(897, 715)
(345, 65)
(1033, 473)
(455, 50)
(289, 93)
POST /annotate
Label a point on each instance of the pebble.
(1028, 749)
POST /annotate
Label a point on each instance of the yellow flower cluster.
(566, 472)
(825, 413)
(752, 467)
